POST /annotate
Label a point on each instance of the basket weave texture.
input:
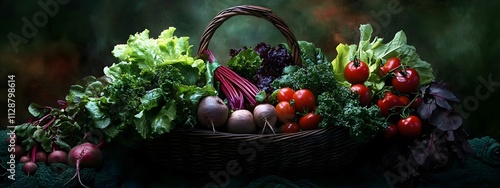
(203, 151)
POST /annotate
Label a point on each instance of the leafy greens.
(337, 105)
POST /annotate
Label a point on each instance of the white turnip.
(265, 116)
(85, 155)
(241, 121)
(212, 112)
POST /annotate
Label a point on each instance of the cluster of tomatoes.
(398, 102)
(295, 109)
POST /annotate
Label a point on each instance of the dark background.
(459, 38)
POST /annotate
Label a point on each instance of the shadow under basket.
(202, 151)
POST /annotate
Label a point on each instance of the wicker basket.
(203, 151)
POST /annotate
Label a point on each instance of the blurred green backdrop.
(75, 38)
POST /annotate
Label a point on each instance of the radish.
(212, 112)
(84, 155)
(29, 168)
(241, 121)
(265, 116)
(58, 156)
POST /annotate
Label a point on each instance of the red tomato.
(406, 81)
(416, 103)
(285, 94)
(391, 132)
(290, 127)
(389, 101)
(309, 121)
(390, 65)
(404, 100)
(410, 127)
(356, 72)
(285, 112)
(304, 100)
(365, 95)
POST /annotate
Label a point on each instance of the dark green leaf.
(99, 116)
(62, 145)
(141, 125)
(151, 99)
(36, 110)
(29, 143)
(261, 96)
(46, 144)
(163, 122)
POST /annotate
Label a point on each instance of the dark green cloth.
(56, 175)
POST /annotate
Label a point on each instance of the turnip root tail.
(267, 124)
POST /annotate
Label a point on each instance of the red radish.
(241, 121)
(265, 116)
(24, 159)
(58, 156)
(85, 155)
(30, 168)
(212, 112)
(41, 156)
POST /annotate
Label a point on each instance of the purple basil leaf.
(451, 136)
(420, 151)
(426, 108)
(461, 145)
(445, 120)
(442, 95)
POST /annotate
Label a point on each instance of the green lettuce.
(156, 85)
(374, 53)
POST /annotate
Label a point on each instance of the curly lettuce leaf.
(149, 53)
(246, 63)
(374, 53)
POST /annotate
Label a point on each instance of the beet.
(58, 156)
(30, 168)
(212, 112)
(41, 156)
(85, 155)
(24, 159)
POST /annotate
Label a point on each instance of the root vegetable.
(265, 116)
(41, 156)
(212, 112)
(24, 159)
(30, 168)
(18, 151)
(241, 121)
(58, 156)
(85, 155)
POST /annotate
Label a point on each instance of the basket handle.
(256, 11)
